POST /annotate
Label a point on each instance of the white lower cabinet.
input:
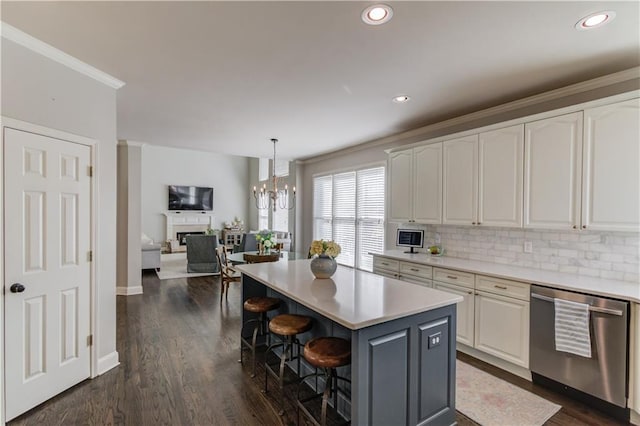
(494, 316)
(502, 327)
(465, 311)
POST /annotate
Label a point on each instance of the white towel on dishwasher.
(572, 327)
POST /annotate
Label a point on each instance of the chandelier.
(274, 197)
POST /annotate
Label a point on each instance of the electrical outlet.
(528, 247)
(434, 340)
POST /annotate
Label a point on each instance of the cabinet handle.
(415, 270)
(384, 263)
(473, 223)
(584, 226)
(501, 287)
(452, 277)
(575, 227)
(479, 223)
(469, 292)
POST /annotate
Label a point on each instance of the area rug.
(490, 401)
(174, 265)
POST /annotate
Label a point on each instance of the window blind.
(370, 214)
(344, 216)
(349, 209)
(322, 207)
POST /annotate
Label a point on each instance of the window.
(263, 219)
(282, 168)
(280, 220)
(263, 169)
(348, 208)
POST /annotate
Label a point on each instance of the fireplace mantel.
(177, 220)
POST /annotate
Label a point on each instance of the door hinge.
(90, 256)
(90, 171)
(90, 340)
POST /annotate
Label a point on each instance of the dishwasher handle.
(615, 312)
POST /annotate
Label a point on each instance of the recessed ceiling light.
(377, 14)
(595, 20)
(401, 99)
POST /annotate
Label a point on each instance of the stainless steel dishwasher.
(600, 380)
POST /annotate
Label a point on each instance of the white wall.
(162, 166)
(40, 91)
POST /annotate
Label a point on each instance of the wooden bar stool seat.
(260, 306)
(287, 326)
(327, 353)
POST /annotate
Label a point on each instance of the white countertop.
(352, 298)
(598, 286)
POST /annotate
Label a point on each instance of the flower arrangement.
(266, 240)
(322, 247)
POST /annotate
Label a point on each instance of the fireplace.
(182, 236)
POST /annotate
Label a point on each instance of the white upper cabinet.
(460, 181)
(427, 184)
(611, 167)
(553, 172)
(400, 187)
(500, 177)
(483, 178)
(415, 184)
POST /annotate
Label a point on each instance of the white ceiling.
(228, 76)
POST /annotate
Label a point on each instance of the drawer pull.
(384, 263)
(452, 277)
(415, 270)
(470, 292)
(501, 287)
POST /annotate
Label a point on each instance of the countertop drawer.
(416, 270)
(453, 277)
(516, 289)
(385, 263)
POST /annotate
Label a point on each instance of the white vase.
(323, 266)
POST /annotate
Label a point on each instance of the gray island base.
(402, 338)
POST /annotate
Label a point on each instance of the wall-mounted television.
(413, 238)
(190, 198)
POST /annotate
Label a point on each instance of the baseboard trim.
(634, 417)
(500, 363)
(108, 362)
(128, 291)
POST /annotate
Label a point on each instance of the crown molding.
(15, 35)
(126, 142)
(563, 92)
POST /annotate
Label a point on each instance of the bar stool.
(259, 305)
(327, 353)
(287, 326)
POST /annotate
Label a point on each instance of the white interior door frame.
(6, 122)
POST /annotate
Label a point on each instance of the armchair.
(201, 253)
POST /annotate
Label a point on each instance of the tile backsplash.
(613, 255)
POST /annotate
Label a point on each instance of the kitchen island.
(402, 337)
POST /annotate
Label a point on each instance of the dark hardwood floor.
(178, 350)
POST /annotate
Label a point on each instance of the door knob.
(16, 288)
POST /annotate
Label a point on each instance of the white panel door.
(427, 183)
(465, 311)
(47, 240)
(460, 181)
(500, 177)
(400, 185)
(553, 172)
(502, 327)
(611, 167)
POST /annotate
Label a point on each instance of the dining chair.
(228, 274)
